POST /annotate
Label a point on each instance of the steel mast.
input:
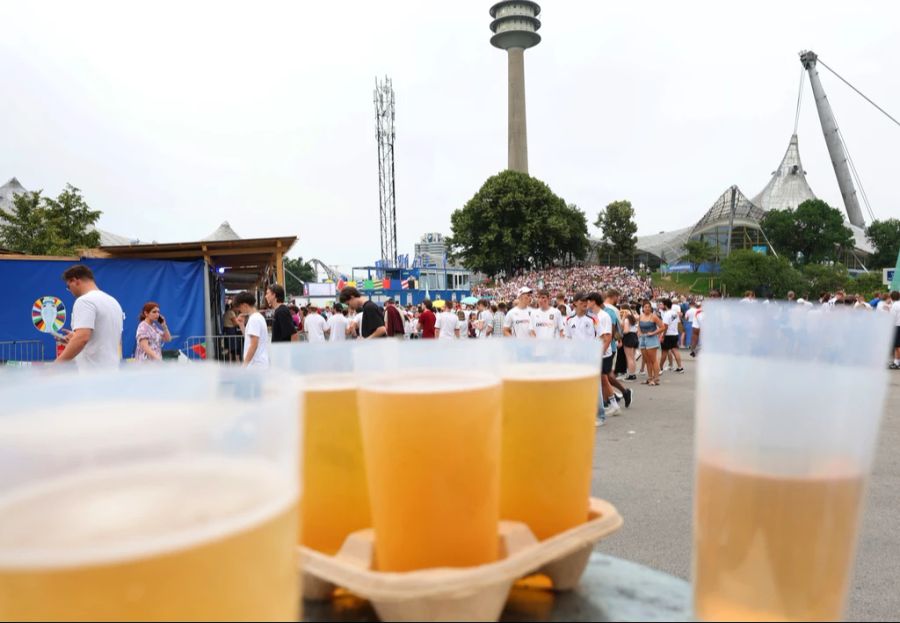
(836, 150)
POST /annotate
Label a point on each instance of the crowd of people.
(571, 280)
(632, 324)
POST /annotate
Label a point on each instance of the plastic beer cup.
(335, 492)
(550, 392)
(789, 401)
(430, 415)
(154, 494)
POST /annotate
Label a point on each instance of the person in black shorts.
(671, 318)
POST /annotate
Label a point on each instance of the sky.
(172, 117)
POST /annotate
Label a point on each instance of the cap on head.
(524, 290)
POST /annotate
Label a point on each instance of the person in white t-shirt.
(447, 325)
(315, 325)
(338, 325)
(580, 326)
(546, 321)
(517, 322)
(689, 316)
(96, 337)
(604, 327)
(256, 333)
(671, 316)
(484, 323)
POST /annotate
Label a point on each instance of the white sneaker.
(598, 423)
(614, 408)
(618, 394)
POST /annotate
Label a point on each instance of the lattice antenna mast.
(387, 202)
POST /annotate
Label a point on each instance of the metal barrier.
(18, 351)
(227, 348)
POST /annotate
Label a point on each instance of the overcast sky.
(173, 117)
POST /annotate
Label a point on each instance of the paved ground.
(643, 464)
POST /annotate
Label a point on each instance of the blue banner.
(176, 286)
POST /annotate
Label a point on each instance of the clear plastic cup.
(430, 415)
(550, 390)
(789, 401)
(149, 494)
(335, 492)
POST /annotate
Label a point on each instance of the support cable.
(799, 99)
(860, 93)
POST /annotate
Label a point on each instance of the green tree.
(747, 270)
(885, 237)
(616, 222)
(515, 222)
(825, 278)
(44, 226)
(867, 284)
(698, 252)
(296, 273)
(813, 233)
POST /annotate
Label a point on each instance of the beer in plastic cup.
(430, 415)
(789, 400)
(165, 494)
(335, 492)
(550, 392)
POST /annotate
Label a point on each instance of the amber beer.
(335, 493)
(548, 445)
(197, 539)
(432, 447)
(773, 547)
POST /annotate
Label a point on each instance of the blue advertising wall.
(176, 286)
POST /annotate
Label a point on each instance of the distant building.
(787, 188)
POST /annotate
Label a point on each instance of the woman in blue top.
(649, 329)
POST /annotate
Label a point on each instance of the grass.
(686, 283)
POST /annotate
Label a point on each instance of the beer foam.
(432, 382)
(549, 372)
(332, 382)
(114, 514)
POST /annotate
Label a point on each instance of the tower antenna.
(387, 200)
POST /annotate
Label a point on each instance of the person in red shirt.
(393, 321)
(427, 320)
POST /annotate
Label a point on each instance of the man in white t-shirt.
(689, 316)
(603, 324)
(580, 326)
(546, 321)
(256, 333)
(447, 325)
(484, 323)
(670, 317)
(315, 325)
(96, 337)
(517, 322)
(337, 325)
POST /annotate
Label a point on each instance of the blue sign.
(761, 249)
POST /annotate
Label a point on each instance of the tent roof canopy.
(242, 262)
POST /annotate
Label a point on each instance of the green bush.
(763, 274)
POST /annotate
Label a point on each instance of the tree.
(885, 237)
(813, 233)
(867, 284)
(698, 252)
(826, 278)
(747, 270)
(515, 222)
(43, 226)
(616, 222)
(296, 273)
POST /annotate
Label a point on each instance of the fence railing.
(217, 347)
(18, 351)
